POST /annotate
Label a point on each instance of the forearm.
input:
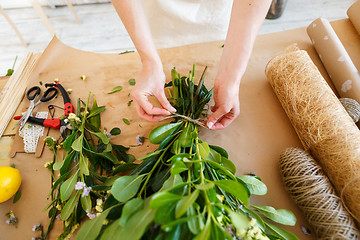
(246, 19)
(132, 14)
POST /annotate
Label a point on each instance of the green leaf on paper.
(279, 232)
(125, 187)
(126, 121)
(115, 89)
(115, 131)
(282, 216)
(256, 186)
(17, 196)
(132, 81)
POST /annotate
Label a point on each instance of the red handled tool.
(68, 107)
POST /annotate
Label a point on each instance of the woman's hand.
(227, 106)
(151, 83)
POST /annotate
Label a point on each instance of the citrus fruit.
(10, 181)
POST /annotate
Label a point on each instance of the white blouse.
(181, 22)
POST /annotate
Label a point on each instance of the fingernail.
(172, 109)
(210, 125)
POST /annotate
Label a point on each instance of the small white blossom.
(140, 139)
(36, 227)
(58, 217)
(7, 221)
(90, 214)
(80, 185)
(86, 191)
(108, 135)
(72, 116)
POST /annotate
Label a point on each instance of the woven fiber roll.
(321, 122)
(313, 193)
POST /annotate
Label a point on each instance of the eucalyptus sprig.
(85, 173)
(186, 189)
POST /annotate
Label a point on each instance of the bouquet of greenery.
(186, 189)
(87, 170)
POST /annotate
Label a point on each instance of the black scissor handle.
(49, 94)
(33, 92)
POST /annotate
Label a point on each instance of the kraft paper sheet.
(340, 67)
(254, 140)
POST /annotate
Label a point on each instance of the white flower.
(140, 139)
(36, 227)
(108, 135)
(72, 116)
(7, 221)
(80, 185)
(58, 217)
(99, 202)
(86, 191)
(90, 214)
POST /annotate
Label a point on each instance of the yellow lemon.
(10, 181)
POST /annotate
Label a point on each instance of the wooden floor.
(102, 30)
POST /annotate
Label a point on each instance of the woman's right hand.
(151, 83)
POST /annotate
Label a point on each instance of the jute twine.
(315, 196)
(352, 107)
(321, 122)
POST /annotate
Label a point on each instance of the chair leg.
(70, 6)
(42, 16)
(13, 26)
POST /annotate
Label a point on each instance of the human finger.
(213, 118)
(144, 103)
(164, 101)
(143, 114)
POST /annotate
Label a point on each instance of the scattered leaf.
(126, 121)
(115, 131)
(115, 89)
(132, 81)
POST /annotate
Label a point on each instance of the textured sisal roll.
(313, 193)
(321, 122)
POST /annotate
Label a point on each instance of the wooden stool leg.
(42, 16)
(70, 6)
(13, 26)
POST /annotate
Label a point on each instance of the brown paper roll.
(338, 64)
(354, 15)
(321, 122)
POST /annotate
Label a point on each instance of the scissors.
(32, 94)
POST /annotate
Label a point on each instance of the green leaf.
(124, 167)
(160, 199)
(112, 231)
(279, 232)
(160, 133)
(234, 188)
(91, 229)
(214, 156)
(178, 167)
(126, 121)
(86, 202)
(17, 196)
(282, 216)
(130, 208)
(179, 157)
(137, 224)
(69, 206)
(149, 155)
(129, 102)
(68, 186)
(108, 156)
(69, 141)
(205, 186)
(95, 120)
(101, 136)
(125, 187)
(240, 221)
(228, 164)
(115, 89)
(185, 203)
(115, 131)
(84, 165)
(195, 224)
(96, 111)
(205, 233)
(204, 150)
(185, 138)
(58, 165)
(9, 72)
(172, 181)
(220, 150)
(256, 186)
(78, 143)
(132, 81)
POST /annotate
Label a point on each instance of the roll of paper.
(354, 15)
(342, 71)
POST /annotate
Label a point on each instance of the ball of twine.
(321, 122)
(352, 107)
(315, 196)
